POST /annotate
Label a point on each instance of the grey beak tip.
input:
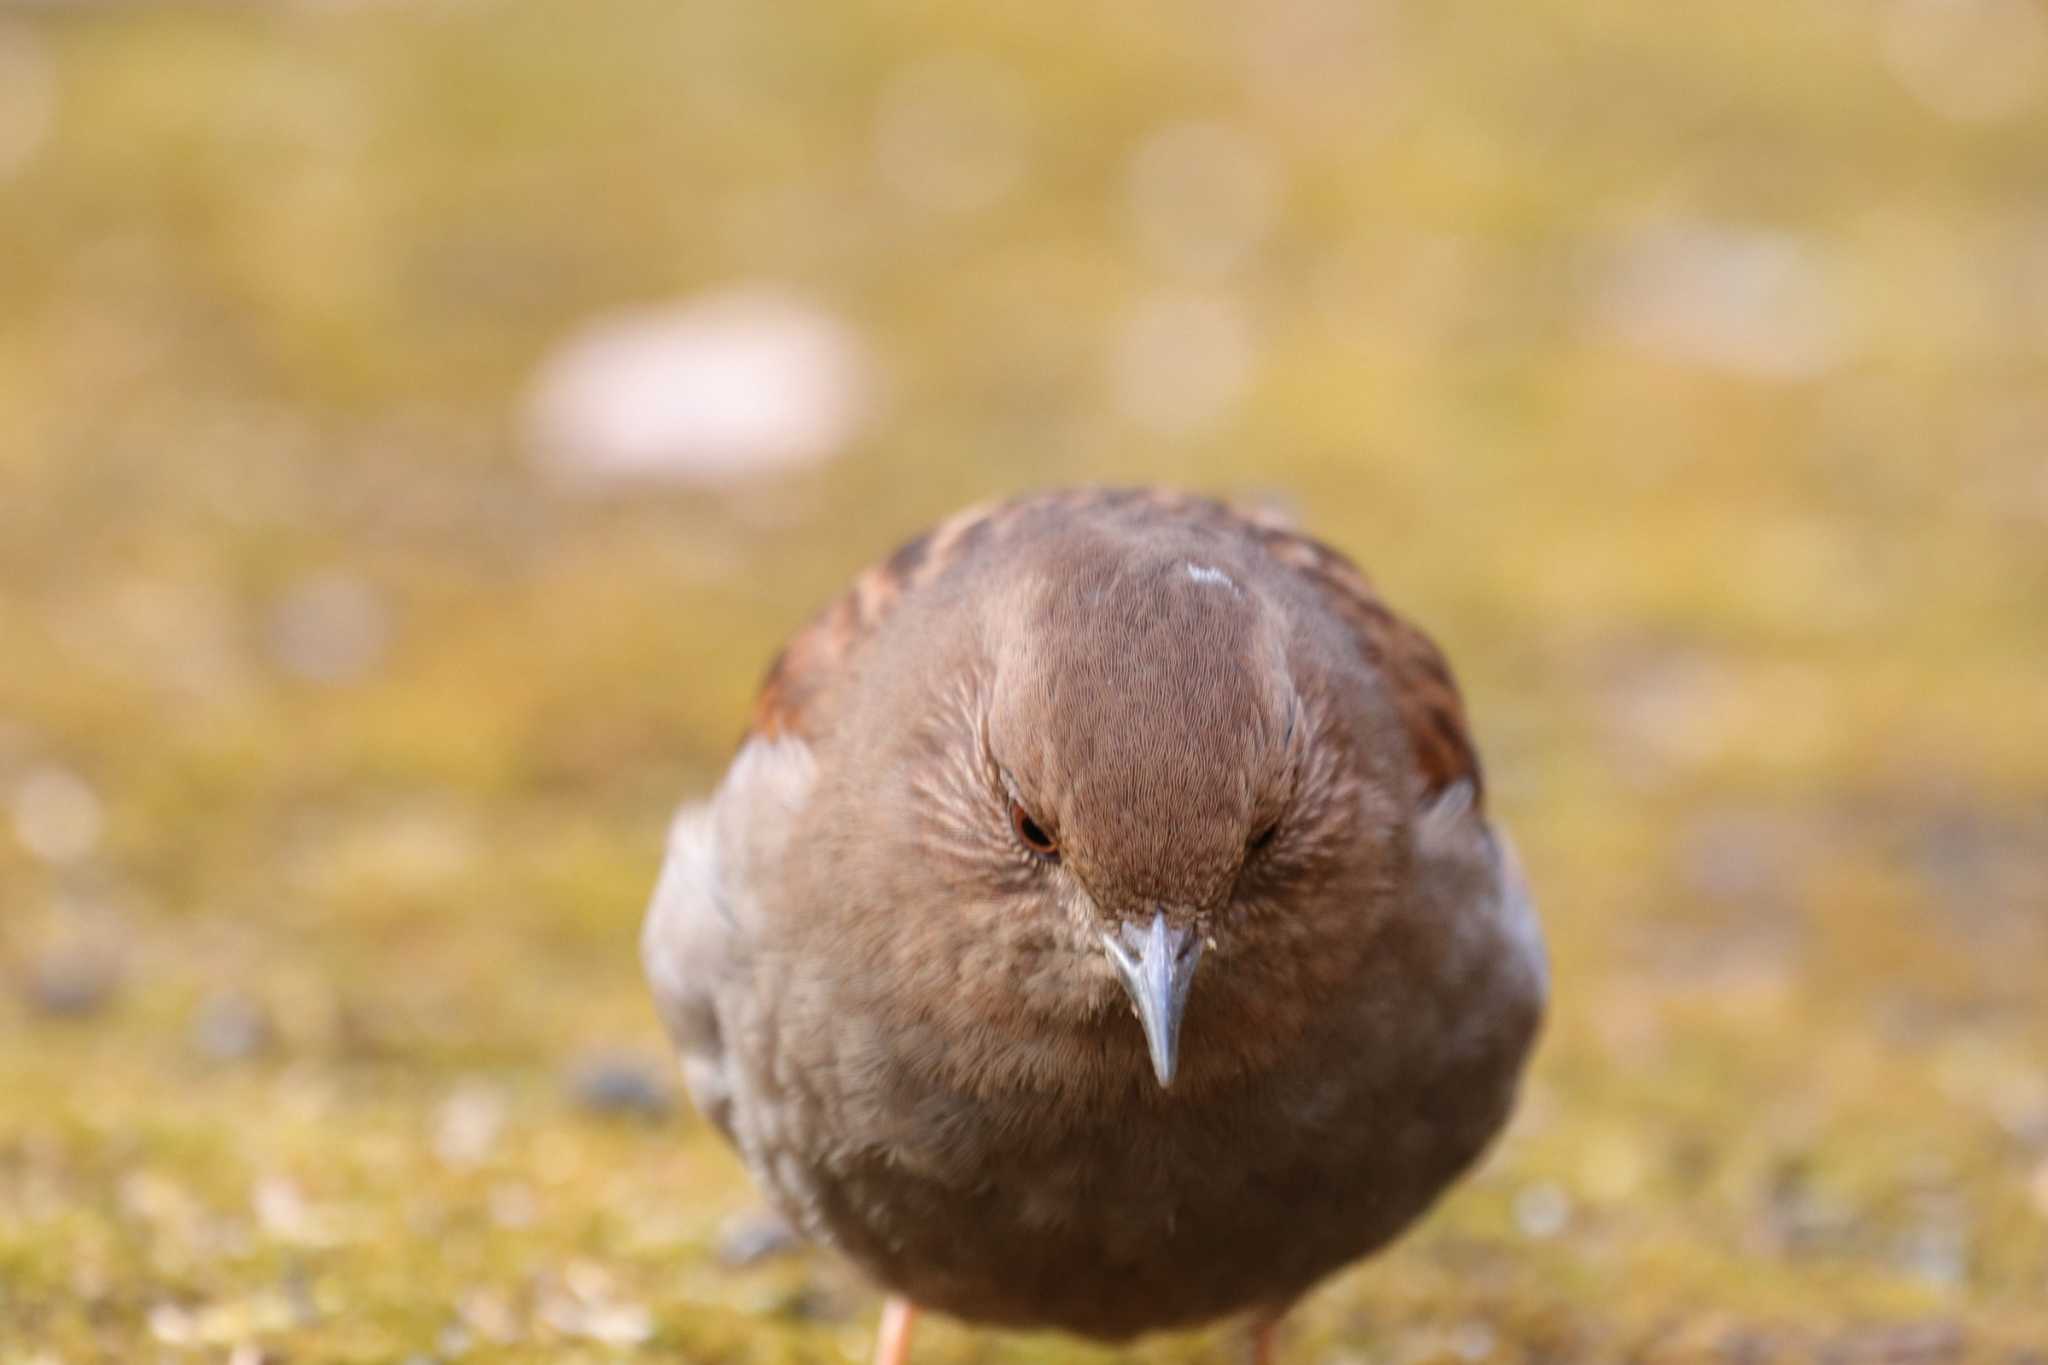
(1156, 964)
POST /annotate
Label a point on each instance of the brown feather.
(910, 1021)
(1417, 677)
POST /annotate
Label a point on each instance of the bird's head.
(1142, 727)
(1134, 769)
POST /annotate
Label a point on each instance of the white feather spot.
(1202, 573)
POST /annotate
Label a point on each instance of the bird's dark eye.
(1032, 834)
(1263, 838)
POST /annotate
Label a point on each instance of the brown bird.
(1059, 762)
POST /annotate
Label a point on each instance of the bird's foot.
(892, 1342)
(1264, 1346)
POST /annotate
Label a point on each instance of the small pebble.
(586, 1304)
(812, 1303)
(173, 1325)
(750, 1238)
(1542, 1211)
(617, 1325)
(57, 815)
(621, 1084)
(468, 1125)
(1936, 1252)
(231, 1028)
(490, 1314)
(73, 984)
(1473, 1340)
(284, 1215)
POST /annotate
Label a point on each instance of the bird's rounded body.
(908, 1023)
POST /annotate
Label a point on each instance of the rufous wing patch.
(1417, 676)
(820, 650)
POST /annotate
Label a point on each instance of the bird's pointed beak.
(1157, 964)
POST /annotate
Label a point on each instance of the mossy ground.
(1758, 658)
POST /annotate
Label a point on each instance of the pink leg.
(1266, 1340)
(892, 1343)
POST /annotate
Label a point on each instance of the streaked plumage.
(918, 1031)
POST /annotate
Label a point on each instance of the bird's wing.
(1467, 872)
(1417, 678)
(1466, 867)
(788, 703)
(700, 926)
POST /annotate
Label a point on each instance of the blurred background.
(420, 423)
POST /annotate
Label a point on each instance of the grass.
(1756, 654)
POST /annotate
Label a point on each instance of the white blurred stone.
(1202, 197)
(616, 1082)
(330, 628)
(28, 98)
(468, 1124)
(615, 1324)
(285, 1216)
(57, 816)
(280, 1208)
(1970, 61)
(490, 1314)
(172, 1325)
(706, 391)
(1182, 362)
(16, 741)
(953, 133)
(1747, 300)
(155, 1199)
(587, 1304)
(1473, 1340)
(1542, 1211)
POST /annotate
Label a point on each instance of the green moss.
(1756, 660)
